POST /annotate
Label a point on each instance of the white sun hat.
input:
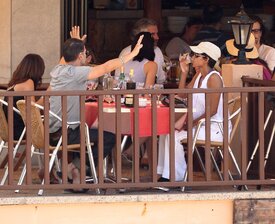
(207, 48)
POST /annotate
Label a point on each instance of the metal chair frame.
(38, 140)
(269, 144)
(4, 136)
(235, 118)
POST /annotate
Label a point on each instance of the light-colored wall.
(121, 213)
(33, 27)
(5, 40)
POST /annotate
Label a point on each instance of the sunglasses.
(196, 55)
(88, 53)
(256, 30)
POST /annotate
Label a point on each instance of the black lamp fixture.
(241, 26)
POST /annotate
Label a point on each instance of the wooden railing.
(136, 182)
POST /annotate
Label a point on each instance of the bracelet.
(121, 58)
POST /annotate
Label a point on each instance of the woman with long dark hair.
(26, 77)
(143, 65)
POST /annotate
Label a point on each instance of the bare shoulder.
(150, 66)
(25, 86)
(215, 81)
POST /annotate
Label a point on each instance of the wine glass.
(158, 86)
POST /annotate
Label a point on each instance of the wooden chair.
(4, 136)
(37, 136)
(234, 118)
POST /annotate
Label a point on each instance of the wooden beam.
(152, 10)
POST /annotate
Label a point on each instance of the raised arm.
(74, 33)
(184, 65)
(115, 63)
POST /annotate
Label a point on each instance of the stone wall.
(254, 211)
(5, 40)
(29, 26)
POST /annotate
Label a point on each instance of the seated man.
(204, 57)
(71, 74)
(147, 25)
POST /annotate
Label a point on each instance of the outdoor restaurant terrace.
(244, 145)
(226, 182)
(119, 179)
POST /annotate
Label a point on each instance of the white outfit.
(216, 135)
(175, 47)
(267, 53)
(159, 59)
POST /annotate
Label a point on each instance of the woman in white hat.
(203, 57)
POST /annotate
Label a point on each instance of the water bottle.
(121, 82)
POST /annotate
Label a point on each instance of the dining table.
(128, 113)
(127, 119)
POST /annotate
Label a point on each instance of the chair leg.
(22, 176)
(2, 146)
(216, 165)
(269, 144)
(91, 158)
(51, 163)
(200, 160)
(7, 167)
(229, 172)
(236, 164)
(257, 144)
(14, 154)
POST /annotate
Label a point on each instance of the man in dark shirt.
(212, 16)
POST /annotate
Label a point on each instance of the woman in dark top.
(26, 77)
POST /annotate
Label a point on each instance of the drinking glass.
(108, 85)
(158, 86)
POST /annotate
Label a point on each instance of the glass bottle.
(121, 80)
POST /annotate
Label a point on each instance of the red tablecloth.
(127, 124)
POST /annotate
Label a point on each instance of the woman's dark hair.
(71, 49)
(262, 26)
(147, 51)
(31, 67)
(211, 62)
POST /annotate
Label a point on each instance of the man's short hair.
(141, 26)
(212, 14)
(71, 49)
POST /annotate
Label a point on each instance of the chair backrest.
(3, 122)
(235, 115)
(37, 126)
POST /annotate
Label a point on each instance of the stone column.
(232, 76)
(29, 27)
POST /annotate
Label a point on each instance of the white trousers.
(163, 158)
(180, 163)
